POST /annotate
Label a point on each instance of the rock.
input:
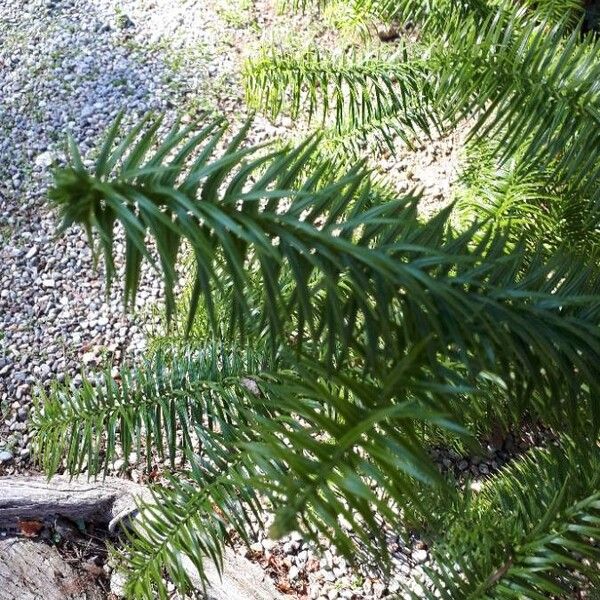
(388, 32)
(291, 547)
(117, 584)
(296, 536)
(89, 358)
(268, 544)
(124, 22)
(87, 111)
(302, 559)
(250, 385)
(420, 555)
(339, 572)
(5, 457)
(118, 464)
(293, 573)
(45, 160)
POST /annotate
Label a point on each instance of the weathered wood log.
(35, 497)
(104, 502)
(31, 570)
(241, 580)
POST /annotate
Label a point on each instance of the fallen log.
(241, 580)
(104, 502)
(32, 570)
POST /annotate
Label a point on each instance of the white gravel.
(64, 68)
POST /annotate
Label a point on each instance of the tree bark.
(35, 571)
(103, 502)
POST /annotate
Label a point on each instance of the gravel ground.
(62, 69)
(70, 66)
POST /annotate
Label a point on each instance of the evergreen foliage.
(342, 333)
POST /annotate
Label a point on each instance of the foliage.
(161, 402)
(518, 199)
(335, 334)
(362, 93)
(518, 538)
(521, 74)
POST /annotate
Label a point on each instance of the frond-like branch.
(531, 533)
(313, 447)
(534, 90)
(435, 16)
(191, 520)
(346, 272)
(350, 451)
(354, 91)
(379, 306)
(381, 132)
(525, 203)
(160, 403)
